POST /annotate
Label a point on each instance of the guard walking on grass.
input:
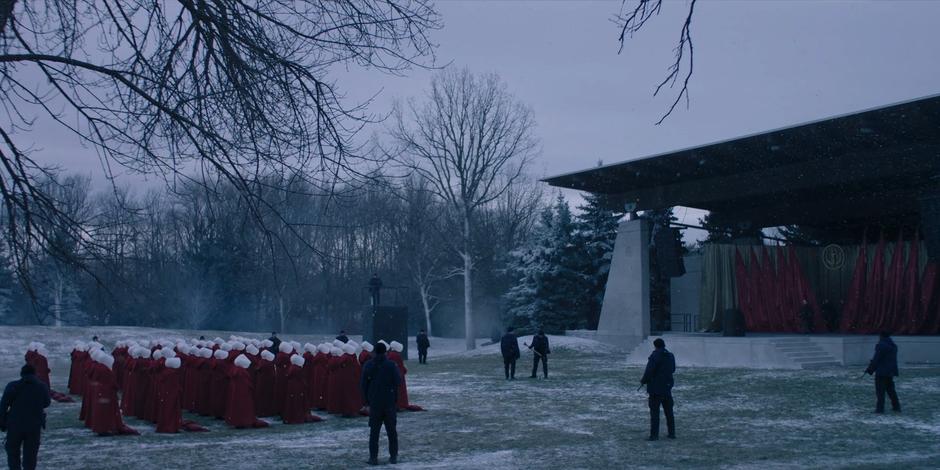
(22, 417)
(423, 344)
(658, 380)
(379, 384)
(509, 346)
(885, 367)
(541, 351)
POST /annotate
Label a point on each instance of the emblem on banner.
(833, 257)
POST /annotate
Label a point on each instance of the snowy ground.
(587, 415)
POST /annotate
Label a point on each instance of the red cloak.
(240, 406)
(332, 384)
(364, 357)
(191, 365)
(76, 372)
(144, 395)
(204, 387)
(320, 361)
(169, 401)
(309, 373)
(403, 403)
(295, 409)
(281, 363)
(88, 371)
(129, 391)
(219, 387)
(349, 400)
(104, 417)
(264, 381)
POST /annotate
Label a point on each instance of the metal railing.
(684, 322)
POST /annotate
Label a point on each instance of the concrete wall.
(858, 350)
(760, 352)
(708, 350)
(625, 317)
(685, 292)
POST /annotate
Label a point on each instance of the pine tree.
(547, 291)
(595, 234)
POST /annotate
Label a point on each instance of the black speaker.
(668, 243)
(388, 323)
(930, 224)
(732, 323)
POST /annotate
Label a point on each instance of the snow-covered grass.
(587, 415)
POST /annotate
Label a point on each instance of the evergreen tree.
(547, 291)
(595, 234)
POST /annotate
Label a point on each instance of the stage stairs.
(804, 352)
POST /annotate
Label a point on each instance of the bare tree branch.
(631, 22)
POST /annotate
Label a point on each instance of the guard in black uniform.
(885, 367)
(540, 348)
(658, 380)
(423, 344)
(509, 346)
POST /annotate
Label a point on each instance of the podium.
(388, 323)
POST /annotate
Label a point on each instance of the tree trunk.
(280, 313)
(57, 300)
(468, 285)
(423, 290)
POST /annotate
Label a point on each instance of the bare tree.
(230, 88)
(631, 21)
(470, 139)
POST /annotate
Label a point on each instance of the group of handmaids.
(238, 381)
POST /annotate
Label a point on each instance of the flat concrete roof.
(857, 168)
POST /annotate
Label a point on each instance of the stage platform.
(785, 351)
(782, 351)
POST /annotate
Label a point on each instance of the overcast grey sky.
(758, 65)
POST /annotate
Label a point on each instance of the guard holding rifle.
(539, 346)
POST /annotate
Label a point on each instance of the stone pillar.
(625, 314)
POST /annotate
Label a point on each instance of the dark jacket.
(343, 338)
(277, 344)
(23, 404)
(540, 344)
(509, 346)
(885, 361)
(658, 375)
(379, 383)
(423, 342)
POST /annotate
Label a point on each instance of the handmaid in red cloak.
(204, 383)
(76, 377)
(105, 416)
(191, 364)
(310, 350)
(119, 353)
(264, 380)
(366, 353)
(144, 396)
(294, 410)
(240, 406)
(129, 392)
(319, 384)
(333, 380)
(347, 383)
(394, 355)
(281, 363)
(219, 384)
(89, 368)
(169, 397)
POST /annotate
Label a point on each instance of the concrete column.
(625, 314)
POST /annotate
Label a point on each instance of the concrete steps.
(804, 352)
